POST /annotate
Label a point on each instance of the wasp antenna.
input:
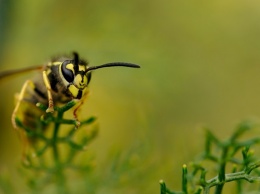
(76, 60)
(115, 64)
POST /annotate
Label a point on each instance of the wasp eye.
(66, 72)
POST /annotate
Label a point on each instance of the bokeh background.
(200, 66)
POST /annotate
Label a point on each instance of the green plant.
(55, 153)
(221, 154)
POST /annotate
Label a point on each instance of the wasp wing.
(8, 73)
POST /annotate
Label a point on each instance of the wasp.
(61, 80)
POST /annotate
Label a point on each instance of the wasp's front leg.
(48, 87)
(80, 103)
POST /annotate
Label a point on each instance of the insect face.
(75, 76)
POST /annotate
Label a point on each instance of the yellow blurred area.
(200, 66)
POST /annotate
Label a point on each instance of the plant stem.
(61, 182)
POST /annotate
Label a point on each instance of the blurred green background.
(200, 66)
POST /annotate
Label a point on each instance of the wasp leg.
(83, 98)
(22, 134)
(19, 100)
(48, 87)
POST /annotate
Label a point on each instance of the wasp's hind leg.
(20, 98)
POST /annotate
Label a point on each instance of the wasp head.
(75, 76)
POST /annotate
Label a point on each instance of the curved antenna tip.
(115, 64)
